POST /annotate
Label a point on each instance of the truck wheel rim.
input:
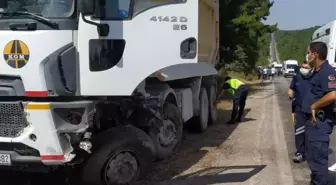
(167, 133)
(122, 168)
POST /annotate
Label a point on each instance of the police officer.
(318, 104)
(239, 91)
(297, 89)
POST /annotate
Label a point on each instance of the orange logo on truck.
(16, 54)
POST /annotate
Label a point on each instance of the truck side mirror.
(86, 7)
(3, 3)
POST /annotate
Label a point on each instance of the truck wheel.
(200, 123)
(167, 134)
(212, 104)
(119, 156)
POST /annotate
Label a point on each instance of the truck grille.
(12, 119)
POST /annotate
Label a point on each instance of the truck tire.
(200, 123)
(212, 104)
(167, 134)
(120, 156)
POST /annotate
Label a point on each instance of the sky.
(300, 14)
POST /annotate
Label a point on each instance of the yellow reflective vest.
(234, 85)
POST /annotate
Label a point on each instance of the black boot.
(238, 119)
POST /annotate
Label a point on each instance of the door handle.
(189, 48)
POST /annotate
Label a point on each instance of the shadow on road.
(193, 149)
(246, 120)
(210, 176)
(21, 178)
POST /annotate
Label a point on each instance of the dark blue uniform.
(300, 86)
(317, 136)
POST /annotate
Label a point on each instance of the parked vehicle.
(104, 90)
(289, 67)
(279, 68)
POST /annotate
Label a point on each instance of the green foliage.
(264, 51)
(293, 44)
(244, 38)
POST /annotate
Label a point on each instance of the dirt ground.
(230, 153)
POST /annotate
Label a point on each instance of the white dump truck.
(104, 87)
(327, 34)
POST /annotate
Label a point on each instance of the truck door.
(144, 36)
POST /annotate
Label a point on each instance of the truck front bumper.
(39, 132)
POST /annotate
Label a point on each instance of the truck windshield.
(45, 8)
(291, 66)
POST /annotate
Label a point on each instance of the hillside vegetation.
(244, 38)
(264, 52)
(293, 44)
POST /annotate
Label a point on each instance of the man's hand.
(290, 93)
(314, 111)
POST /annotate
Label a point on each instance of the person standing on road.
(273, 71)
(269, 72)
(297, 89)
(265, 73)
(319, 106)
(239, 91)
(260, 72)
(279, 71)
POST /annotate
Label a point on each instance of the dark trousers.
(300, 121)
(239, 102)
(317, 145)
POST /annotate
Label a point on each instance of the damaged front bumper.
(44, 132)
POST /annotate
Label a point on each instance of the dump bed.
(208, 31)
